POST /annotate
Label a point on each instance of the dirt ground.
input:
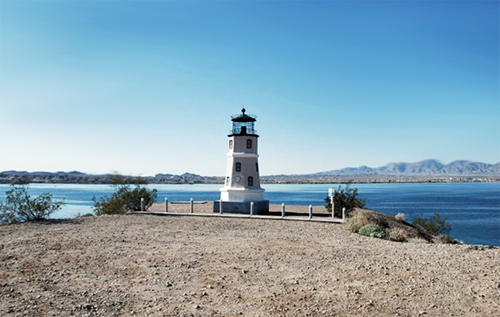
(144, 265)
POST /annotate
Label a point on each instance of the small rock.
(87, 306)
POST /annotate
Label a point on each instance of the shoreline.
(103, 179)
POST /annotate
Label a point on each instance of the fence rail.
(274, 215)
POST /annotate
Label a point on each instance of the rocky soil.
(148, 265)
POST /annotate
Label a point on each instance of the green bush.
(127, 197)
(20, 206)
(433, 225)
(345, 198)
(372, 230)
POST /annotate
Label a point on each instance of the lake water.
(473, 209)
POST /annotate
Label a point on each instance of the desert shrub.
(345, 198)
(400, 217)
(127, 197)
(20, 206)
(353, 224)
(397, 234)
(433, 225)
(446, 240)
(372, 230)
(86, 215)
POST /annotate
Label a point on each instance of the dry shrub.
(398, 234)
(356, 222)
(445, 240)
(400, 217)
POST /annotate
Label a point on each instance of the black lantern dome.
(243, 124)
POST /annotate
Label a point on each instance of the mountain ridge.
(423, 171)
(429, 167)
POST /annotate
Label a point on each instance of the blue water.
(473, 209)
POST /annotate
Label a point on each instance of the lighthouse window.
(250, 181)
(257, 167)
(230, 144)
(238, 167)
(249, 144)
(227, 181)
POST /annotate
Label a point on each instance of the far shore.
(104, 179)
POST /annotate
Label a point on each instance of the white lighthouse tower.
(242, 180)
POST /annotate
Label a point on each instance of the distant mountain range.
(419, 171)
(7, 177)
(423, 168)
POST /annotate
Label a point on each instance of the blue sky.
(145, 87)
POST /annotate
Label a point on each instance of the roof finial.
(243, 110)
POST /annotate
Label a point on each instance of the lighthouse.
(242, 181)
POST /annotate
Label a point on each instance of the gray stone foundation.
(259, 207)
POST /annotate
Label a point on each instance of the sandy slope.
(191, 266)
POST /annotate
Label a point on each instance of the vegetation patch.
(398, 235)
(434, 225)
(344, 198)
(130, 195)
(372, 230)
(400, 217)
(355, 223)
(20, 206)
(380, 225)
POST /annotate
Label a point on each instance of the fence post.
(166, 204)
(310, 212)
(220, 206)
(251, 208)
(191, 205)
(343, 214)
(282, 210)
(333, 206)
(331, 193)
(143, 207)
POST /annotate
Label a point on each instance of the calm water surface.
(473, 209)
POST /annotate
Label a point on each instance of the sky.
(146, 87)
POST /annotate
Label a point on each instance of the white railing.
(290, 216)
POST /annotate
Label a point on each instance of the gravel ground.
(140, 265)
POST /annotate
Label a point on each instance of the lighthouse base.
(259, 207)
